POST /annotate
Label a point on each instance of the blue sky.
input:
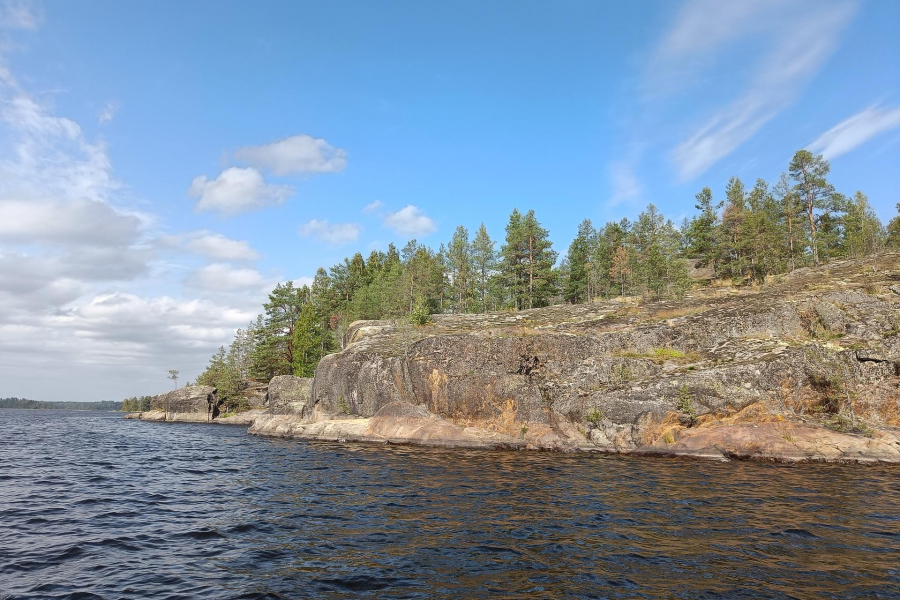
(162, 164)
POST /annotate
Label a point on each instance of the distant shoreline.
(24, 403)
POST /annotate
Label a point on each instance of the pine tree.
(484, 258)
(541, 258)
(731, 249)
(273, 352)
(620, 270)
(702, 230)
(308, 346)
(459, 259)
(608, 241)
(578, 260)
(790, 210)
(863, 231)
(514, 257)
(809, 173)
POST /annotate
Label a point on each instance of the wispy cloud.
(799, 45)
(214, 246)
(227, 278)
(410, 220)
(21, 14)
(108, 112)
(297, 155)
(855, 131)
(625, 185)
(331, 233)
(373, 206)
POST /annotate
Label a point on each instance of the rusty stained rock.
(651, 377)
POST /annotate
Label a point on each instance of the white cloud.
(223, 277)
(373, 206)
(855, 131)
(800, 38)
(296, 155)
(79, 277)
(109, 111)
(218, 247)
(301, 281)
(51, 158)
(626, 187)
(73, 222)
(410, 220)
(237, 190)
(20, 14)
(331, 233)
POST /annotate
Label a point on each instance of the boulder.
(255, 393)
(196, 399)
(289, 395)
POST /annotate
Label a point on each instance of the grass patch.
(674, 313)
(661, 355)
(594, 417)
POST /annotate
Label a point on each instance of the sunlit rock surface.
(805, 368)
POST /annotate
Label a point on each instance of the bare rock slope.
(805, 368)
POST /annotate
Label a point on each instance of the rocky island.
(804, 369)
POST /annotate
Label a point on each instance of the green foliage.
(527, 262)
(594, 417)
(136, 404)
(309, 342)
(420, 314)
(578, 283)
(106, 405)
(685, 402)
(701, 230)
(484, 263)
(809, 173)
(749, 237)
(892, 232)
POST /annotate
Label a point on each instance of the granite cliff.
(805, 368)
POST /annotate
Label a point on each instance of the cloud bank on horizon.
(108, 278)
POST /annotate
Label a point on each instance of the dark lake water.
(92, 506)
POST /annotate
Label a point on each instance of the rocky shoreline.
(804, 369)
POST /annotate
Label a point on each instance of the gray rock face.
(197, 399)
(255, 392)
(619, 376)
(289, 395)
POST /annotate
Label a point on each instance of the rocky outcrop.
(289, 395)
(818, 351)
(255, 392)
(193, 399)
(245, 418)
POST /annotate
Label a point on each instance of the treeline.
(137, 403)
(36, 404)
(748, 237)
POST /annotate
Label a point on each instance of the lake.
(94, 506)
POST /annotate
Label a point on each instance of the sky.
(164, 164)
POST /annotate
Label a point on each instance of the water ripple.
(96, 507)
